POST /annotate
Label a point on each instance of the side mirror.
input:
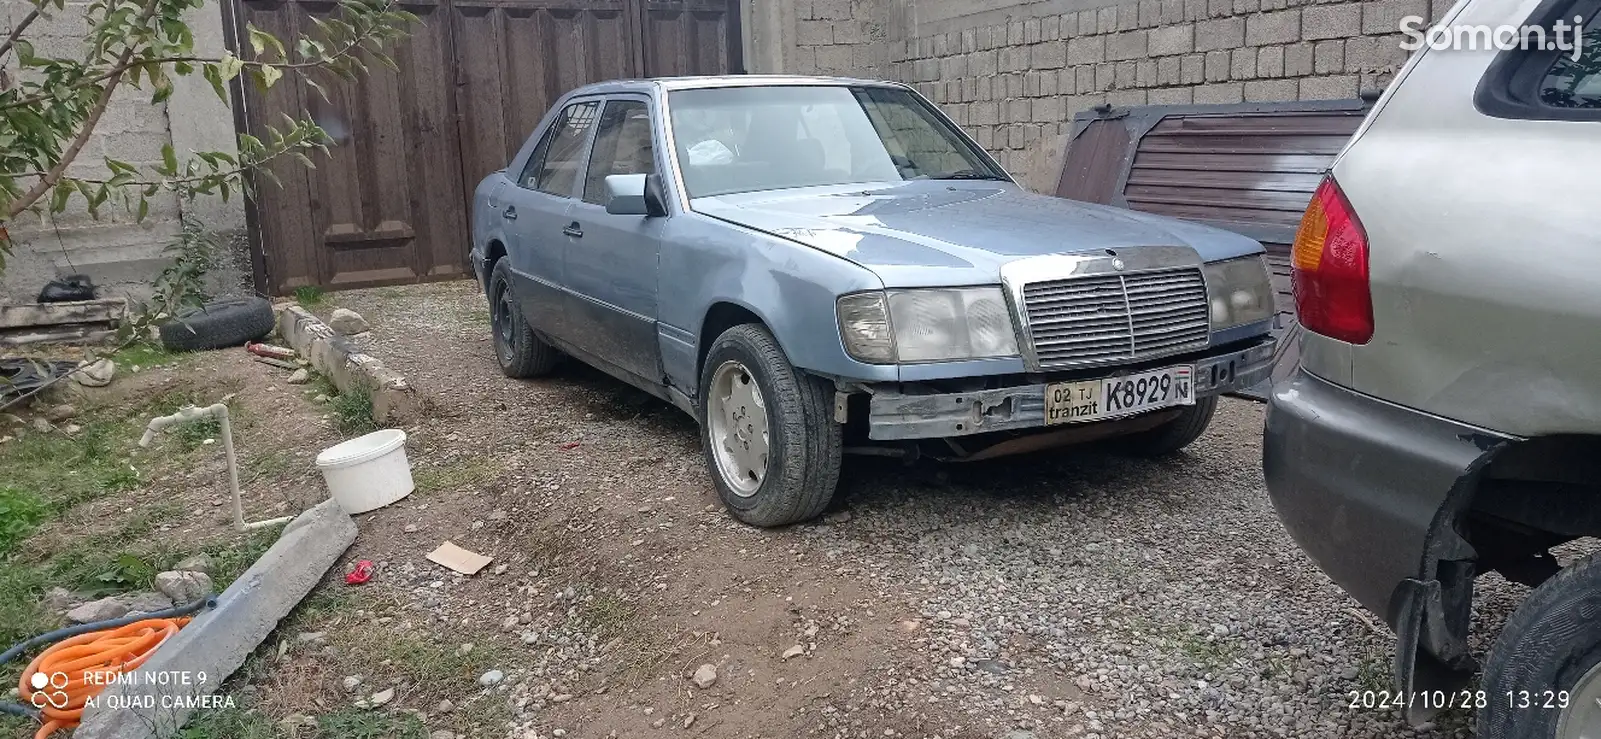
(625, 195)
(634, 195)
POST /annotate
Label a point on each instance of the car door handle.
(511, 213)
(574, 230)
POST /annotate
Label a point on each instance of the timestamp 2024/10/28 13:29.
(1553, 700)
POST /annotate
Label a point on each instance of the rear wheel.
(518, 350)
(771, 442)
(1173, 435)
(1542, 678)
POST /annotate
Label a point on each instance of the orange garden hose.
(76, 669)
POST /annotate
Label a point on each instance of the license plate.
(1094, 400)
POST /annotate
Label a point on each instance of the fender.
(790, 288)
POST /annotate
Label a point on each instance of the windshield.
(744, 139)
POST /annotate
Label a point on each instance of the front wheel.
(770, 439)
(1542, 679)
(1173, 435)
(518, 350)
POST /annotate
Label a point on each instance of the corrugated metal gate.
(474, 78)
(1248, 168)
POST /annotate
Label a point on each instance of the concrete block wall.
(121, 255)
(1015, 72)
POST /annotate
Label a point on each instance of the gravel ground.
(1069, 594)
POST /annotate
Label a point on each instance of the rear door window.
(554, 166)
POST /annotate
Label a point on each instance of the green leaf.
(169, 160)
(315, 85)
(269, 75)
(229, 66)
(144, 210)
(259, 40)
(58, 199)
(213, 76)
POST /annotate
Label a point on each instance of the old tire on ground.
(1552, 643)
(1173, 435)
(778, 419)
(218, 324)
(519, 351)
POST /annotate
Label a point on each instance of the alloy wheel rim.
(736, 419)
(1582, 718)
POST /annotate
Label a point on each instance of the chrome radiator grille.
(1107, 318)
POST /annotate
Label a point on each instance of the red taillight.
(1329, 268)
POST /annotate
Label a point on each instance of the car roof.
(731, 80)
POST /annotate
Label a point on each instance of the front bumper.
(896, 415)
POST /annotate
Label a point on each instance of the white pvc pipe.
(218, 411)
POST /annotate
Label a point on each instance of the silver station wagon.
(815, 266)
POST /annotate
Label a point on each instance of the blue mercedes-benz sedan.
(813, 266)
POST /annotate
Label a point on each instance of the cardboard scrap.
(458, 559)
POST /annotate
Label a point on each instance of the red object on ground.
(361, 574)
(268, 350)
(570, 445)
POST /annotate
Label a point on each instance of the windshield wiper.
(962, 174)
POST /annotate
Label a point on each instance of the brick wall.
(1015, 81)
(124, 256)
(841, 37)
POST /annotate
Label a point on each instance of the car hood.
(917, 234)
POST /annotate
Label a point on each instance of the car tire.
(1173, 435)
(1550, 643)
(520, 352)
(217, 325)
(802, 442)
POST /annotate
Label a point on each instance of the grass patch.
(147, 354)
(20, 512)
(310, 296)
(271, 464)
(1210, 655)
(230, 723)
(192, 435)
(358, 724)
(1373, 674)
(458, 475)
(230, 558)
(606, 616)
(352, 411)
(425, 659)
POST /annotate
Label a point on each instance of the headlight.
(1238, 291)
(931, 325)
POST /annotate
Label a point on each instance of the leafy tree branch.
(51, 113)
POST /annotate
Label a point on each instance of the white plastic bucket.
(368, 472)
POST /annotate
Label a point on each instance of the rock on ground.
(184, 586)
(104, 609)
(347, 322)
(299, 377)
(705, 676)
(194, 563)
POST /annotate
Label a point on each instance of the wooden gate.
(390, 205)
(1247, 168)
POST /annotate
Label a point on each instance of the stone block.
(1278, 27)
